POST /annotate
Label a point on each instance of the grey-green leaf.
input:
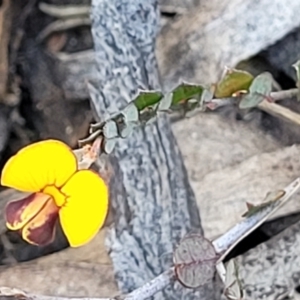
(165, 102)
(260, 88)
(130, 113)
(126, 130)
(297, 68)
(109, 145)
(207, 95)
(262, 84)
(251, 100)
(110, 130)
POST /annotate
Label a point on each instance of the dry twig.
(222, 245)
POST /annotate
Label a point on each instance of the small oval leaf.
(262, 84)
(251, 100)
(109, 145)
(165, 102)
(259, 90)
(126, 130)
(110, 130)
(194, 261)
(207, 95)
(131, 113)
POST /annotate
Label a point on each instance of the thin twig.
(212, 104)
(152, 287)
(233, 236)
(281, 95)
(146, 291)
(65, 11)
(222, 246)
(280, 111)
(61, 25)
(275, 96)
(271, 108)
(90, 138)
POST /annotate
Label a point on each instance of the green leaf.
(233, 81)
(194, 261)
(186, 91)
(146, 99)
(260, 88)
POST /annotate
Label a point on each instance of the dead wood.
(197, 45)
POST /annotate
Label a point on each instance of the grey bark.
(152, 198)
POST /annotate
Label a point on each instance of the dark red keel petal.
(19, 212)
(40, 230)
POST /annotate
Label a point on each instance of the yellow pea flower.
(49, 170)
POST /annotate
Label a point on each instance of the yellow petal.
(19, 212)
(43, 163)
(40, 230)
(86, 207)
